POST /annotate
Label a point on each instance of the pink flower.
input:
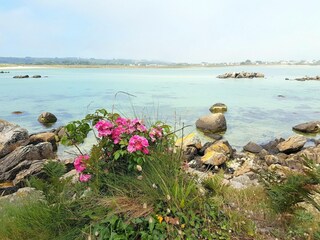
(122, 121)
(79, 163)
(84, 177)
(116, 134)
(104, 128)
(138, 143)
(137, 124)
(155, 133)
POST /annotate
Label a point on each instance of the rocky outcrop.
(308, 127)
(306, 78)
(21, 76)
(23, 158)
(44, 137)
(218, 108)
(11, 137)
(47, 118)
(241, 75)
(213, 123)
(292, 144)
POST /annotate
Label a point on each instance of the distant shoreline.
(40, 66)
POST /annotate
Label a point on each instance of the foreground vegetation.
(132, 189)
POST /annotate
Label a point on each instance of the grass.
(160, 202)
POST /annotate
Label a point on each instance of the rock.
(73, 175)
(14, 162)
(22, 193)
(263, 153)
(34, 168)
(200, 175)
(306, 78)
(47, 118)
(241, 75)
(271, 146)
(221, 146)
(218, 108)
(243, 181)
(246, 167)
(190, 153)
(280, 96)
(308, 127)
(214, 158)
(213, 123)
(188, 141)
(36, 76)
(7, 188)
(214, 136)
(271, 159)
(60, 132)
(292, 144)
(21, 76)
(252, 147)
(17, 112)
(204, 148)
(11, 137)
(44, 137)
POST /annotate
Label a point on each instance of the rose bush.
(122, 143)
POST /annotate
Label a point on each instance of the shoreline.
(40, 66)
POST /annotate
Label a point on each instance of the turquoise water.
(177, 96)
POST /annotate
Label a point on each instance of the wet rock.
(36, 76)
(11, 137)
(218, 108)
(191, 140)
(308, 127)
(47, 118)
(213, 123)
(292, 144)
(252, 147)
(213, 136)
(204, 148)
(307, 78)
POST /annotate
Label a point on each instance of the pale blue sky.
(172, 30)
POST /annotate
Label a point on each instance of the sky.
(168, 30)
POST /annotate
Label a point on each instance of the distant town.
(139, 63)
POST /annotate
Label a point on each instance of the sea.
(259, 109)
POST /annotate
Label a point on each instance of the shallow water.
(179, 95)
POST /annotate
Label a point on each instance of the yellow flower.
(160, 218)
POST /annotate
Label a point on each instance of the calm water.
(255, 112)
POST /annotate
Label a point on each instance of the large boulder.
(308, 127)
(22, 157)
(214, 123)
(218, 108)
(11, 137)
(47, 118)
(292, 144)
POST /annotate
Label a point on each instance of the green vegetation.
(154, 198)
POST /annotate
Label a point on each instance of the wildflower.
(160, 218)
(122, 121)
(104, 128)
(140, 177)
(79, 163)
(154, 186)
(84, 177)
(155, 133)
(138, 143)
